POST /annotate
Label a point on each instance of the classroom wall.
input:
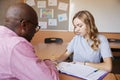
(105, 12)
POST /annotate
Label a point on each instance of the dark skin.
(22, 19)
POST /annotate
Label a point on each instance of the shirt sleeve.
(105, 47)
(26, 66)
(70, 47)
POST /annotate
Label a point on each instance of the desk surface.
(51, 51)
(110, 76)
(115, 45)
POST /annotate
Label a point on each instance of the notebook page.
(96, 75)
(79, 70)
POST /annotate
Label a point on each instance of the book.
(81, 71)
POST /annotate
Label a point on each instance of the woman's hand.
(77, 62)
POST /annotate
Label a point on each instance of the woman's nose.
(77, 29)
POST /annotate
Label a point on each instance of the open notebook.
(81, 71)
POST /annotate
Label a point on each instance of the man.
(17, 56)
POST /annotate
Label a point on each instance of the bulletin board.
(52, 14)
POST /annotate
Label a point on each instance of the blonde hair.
(88, 19)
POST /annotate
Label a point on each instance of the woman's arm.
(63, 57)
(105, 65)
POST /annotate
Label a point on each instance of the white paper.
(62, 17)
(30, 2)
(52, 22)
(52, 2)
(43, 25)
(41, 4)
(63, 6)
(81, 71)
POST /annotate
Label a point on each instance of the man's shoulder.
(16, 40)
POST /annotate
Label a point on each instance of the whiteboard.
(105, 12)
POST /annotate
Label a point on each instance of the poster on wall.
(62, 17)
(52, 2)
(52, 22)
(30, 2)
(41, 4)
(46, 13)
(43, 24)
(63, 6)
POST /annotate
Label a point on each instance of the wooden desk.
(115, 45)
(110, 76)
(51, 51)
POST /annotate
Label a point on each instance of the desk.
(52, 50)
(114, 45)
(110, 76)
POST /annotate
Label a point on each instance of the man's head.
(22, 19)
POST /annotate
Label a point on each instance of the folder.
(81, 71)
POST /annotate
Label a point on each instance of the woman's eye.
(80, 26)
(75, 27)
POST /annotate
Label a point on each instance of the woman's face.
(80, 27)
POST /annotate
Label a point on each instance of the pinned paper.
(62, 17)
(41, 4)
(63, 6)
(46, 13)
(30, 2)
(52, 2)
(43, 25)
(52, 22)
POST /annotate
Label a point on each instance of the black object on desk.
(114, 40)
(53, 40)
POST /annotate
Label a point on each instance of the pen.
(92, 72)
(96, 70)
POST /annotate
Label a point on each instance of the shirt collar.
(6, 31)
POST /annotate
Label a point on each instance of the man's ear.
(23, 23)
(22, 28)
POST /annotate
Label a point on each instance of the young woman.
(88, 46)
